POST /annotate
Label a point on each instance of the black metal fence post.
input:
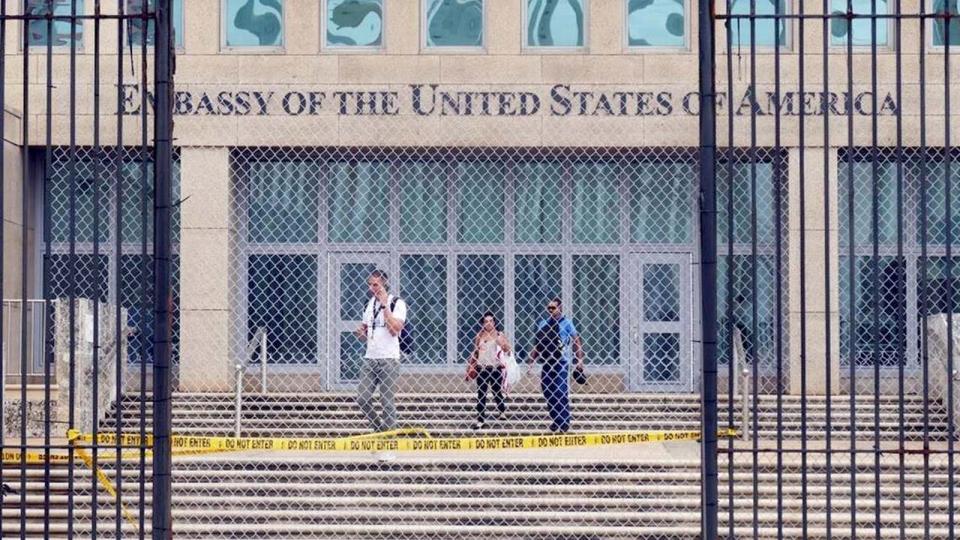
(708, 267)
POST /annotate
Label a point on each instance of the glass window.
(937, 200)
(90, 276)
(661, 202)
(354, 23)
(135, 27)
(765, 28)
(253, 23)
(766, 200)
(862, 28)
(282, 297)
(479, 289)
(40, 31)
(761, 344)
(423, 284)
(939, 36)
(480, 206)
(596, 306)
(863, 201)
(453, 23)
(358, 202)
(596, 203)
(555, 23)
(537, 280)
(283, 201)
(83, 203)
(423, 202)
(538, 203)
(132, 211)
(887, 339)
(656, 23)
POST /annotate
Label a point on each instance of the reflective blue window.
(253, 23)
(555, 23)
(861, 34)
(59, 33)
(765, 28)
(354, 23)
(940, 28)
(656, 23)
(135, 32)
(453, 23)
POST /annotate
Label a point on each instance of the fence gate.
(85, 270)
(845, 109)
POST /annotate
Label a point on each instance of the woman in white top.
(485, 364)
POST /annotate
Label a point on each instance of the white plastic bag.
(511, 371)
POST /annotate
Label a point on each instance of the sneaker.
(478, 425)
(385, 457)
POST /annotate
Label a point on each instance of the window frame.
(931, 46)
(789, 30)
(348, 49)
(450, 49)
(860, 49)
(555, 49)
(55, 49)
(179, 47)
(657, 49)
(250, 49)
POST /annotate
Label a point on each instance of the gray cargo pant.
(379, 374)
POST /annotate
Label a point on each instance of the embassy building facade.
(492, 155)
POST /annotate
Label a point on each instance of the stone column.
(205, 363)
(817, 212)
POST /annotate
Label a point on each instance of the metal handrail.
(259, 341)
(740, 360)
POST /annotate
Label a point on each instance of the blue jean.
(555, 384)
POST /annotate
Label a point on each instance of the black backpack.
(549, 344)
(406, 335)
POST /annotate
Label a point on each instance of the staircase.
(642, 491)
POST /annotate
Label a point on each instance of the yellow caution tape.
(108, 486)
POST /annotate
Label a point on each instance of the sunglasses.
(551, 308)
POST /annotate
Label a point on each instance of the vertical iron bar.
(948, 178)
(163, 170)
(851, 242)
(144, 300)
(901, 261)
(48, 311)
(778, 261)
(828, 334)
(924, 261)
(754, 312)
(803, 277)
(72, 259)
(3, 184)
(120, 329)
(25, 165)
(875, 278)
(731, 267)
(95, 379)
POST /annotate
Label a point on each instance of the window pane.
(83, 201)
(283, 201)
(765, 37)
(282, 297)
(454, 23)
(479, 289)
(759, 345)
(890, 340)
(555, 23)
(862, 28)
(766, 200)
(480, 207)
(863, 201)
(661, 292)
(423, 202)
(596, 204)
(538, 203)
(423, 284)
(358, 202)
(137, 299)
(135, 27)
(661, 202)
(353, 23)
(537, 281)
(596, 300)
(90, 276)
(254, 23)
(940, 29)
(656, 23)
(937, 199)
(40, 32)
(135, 184)
(661, 358)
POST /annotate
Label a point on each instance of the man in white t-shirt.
(383, 320)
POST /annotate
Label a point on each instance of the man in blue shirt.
(557, 342)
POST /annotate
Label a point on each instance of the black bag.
(579, 376)
(549, 344)
(406, 335)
